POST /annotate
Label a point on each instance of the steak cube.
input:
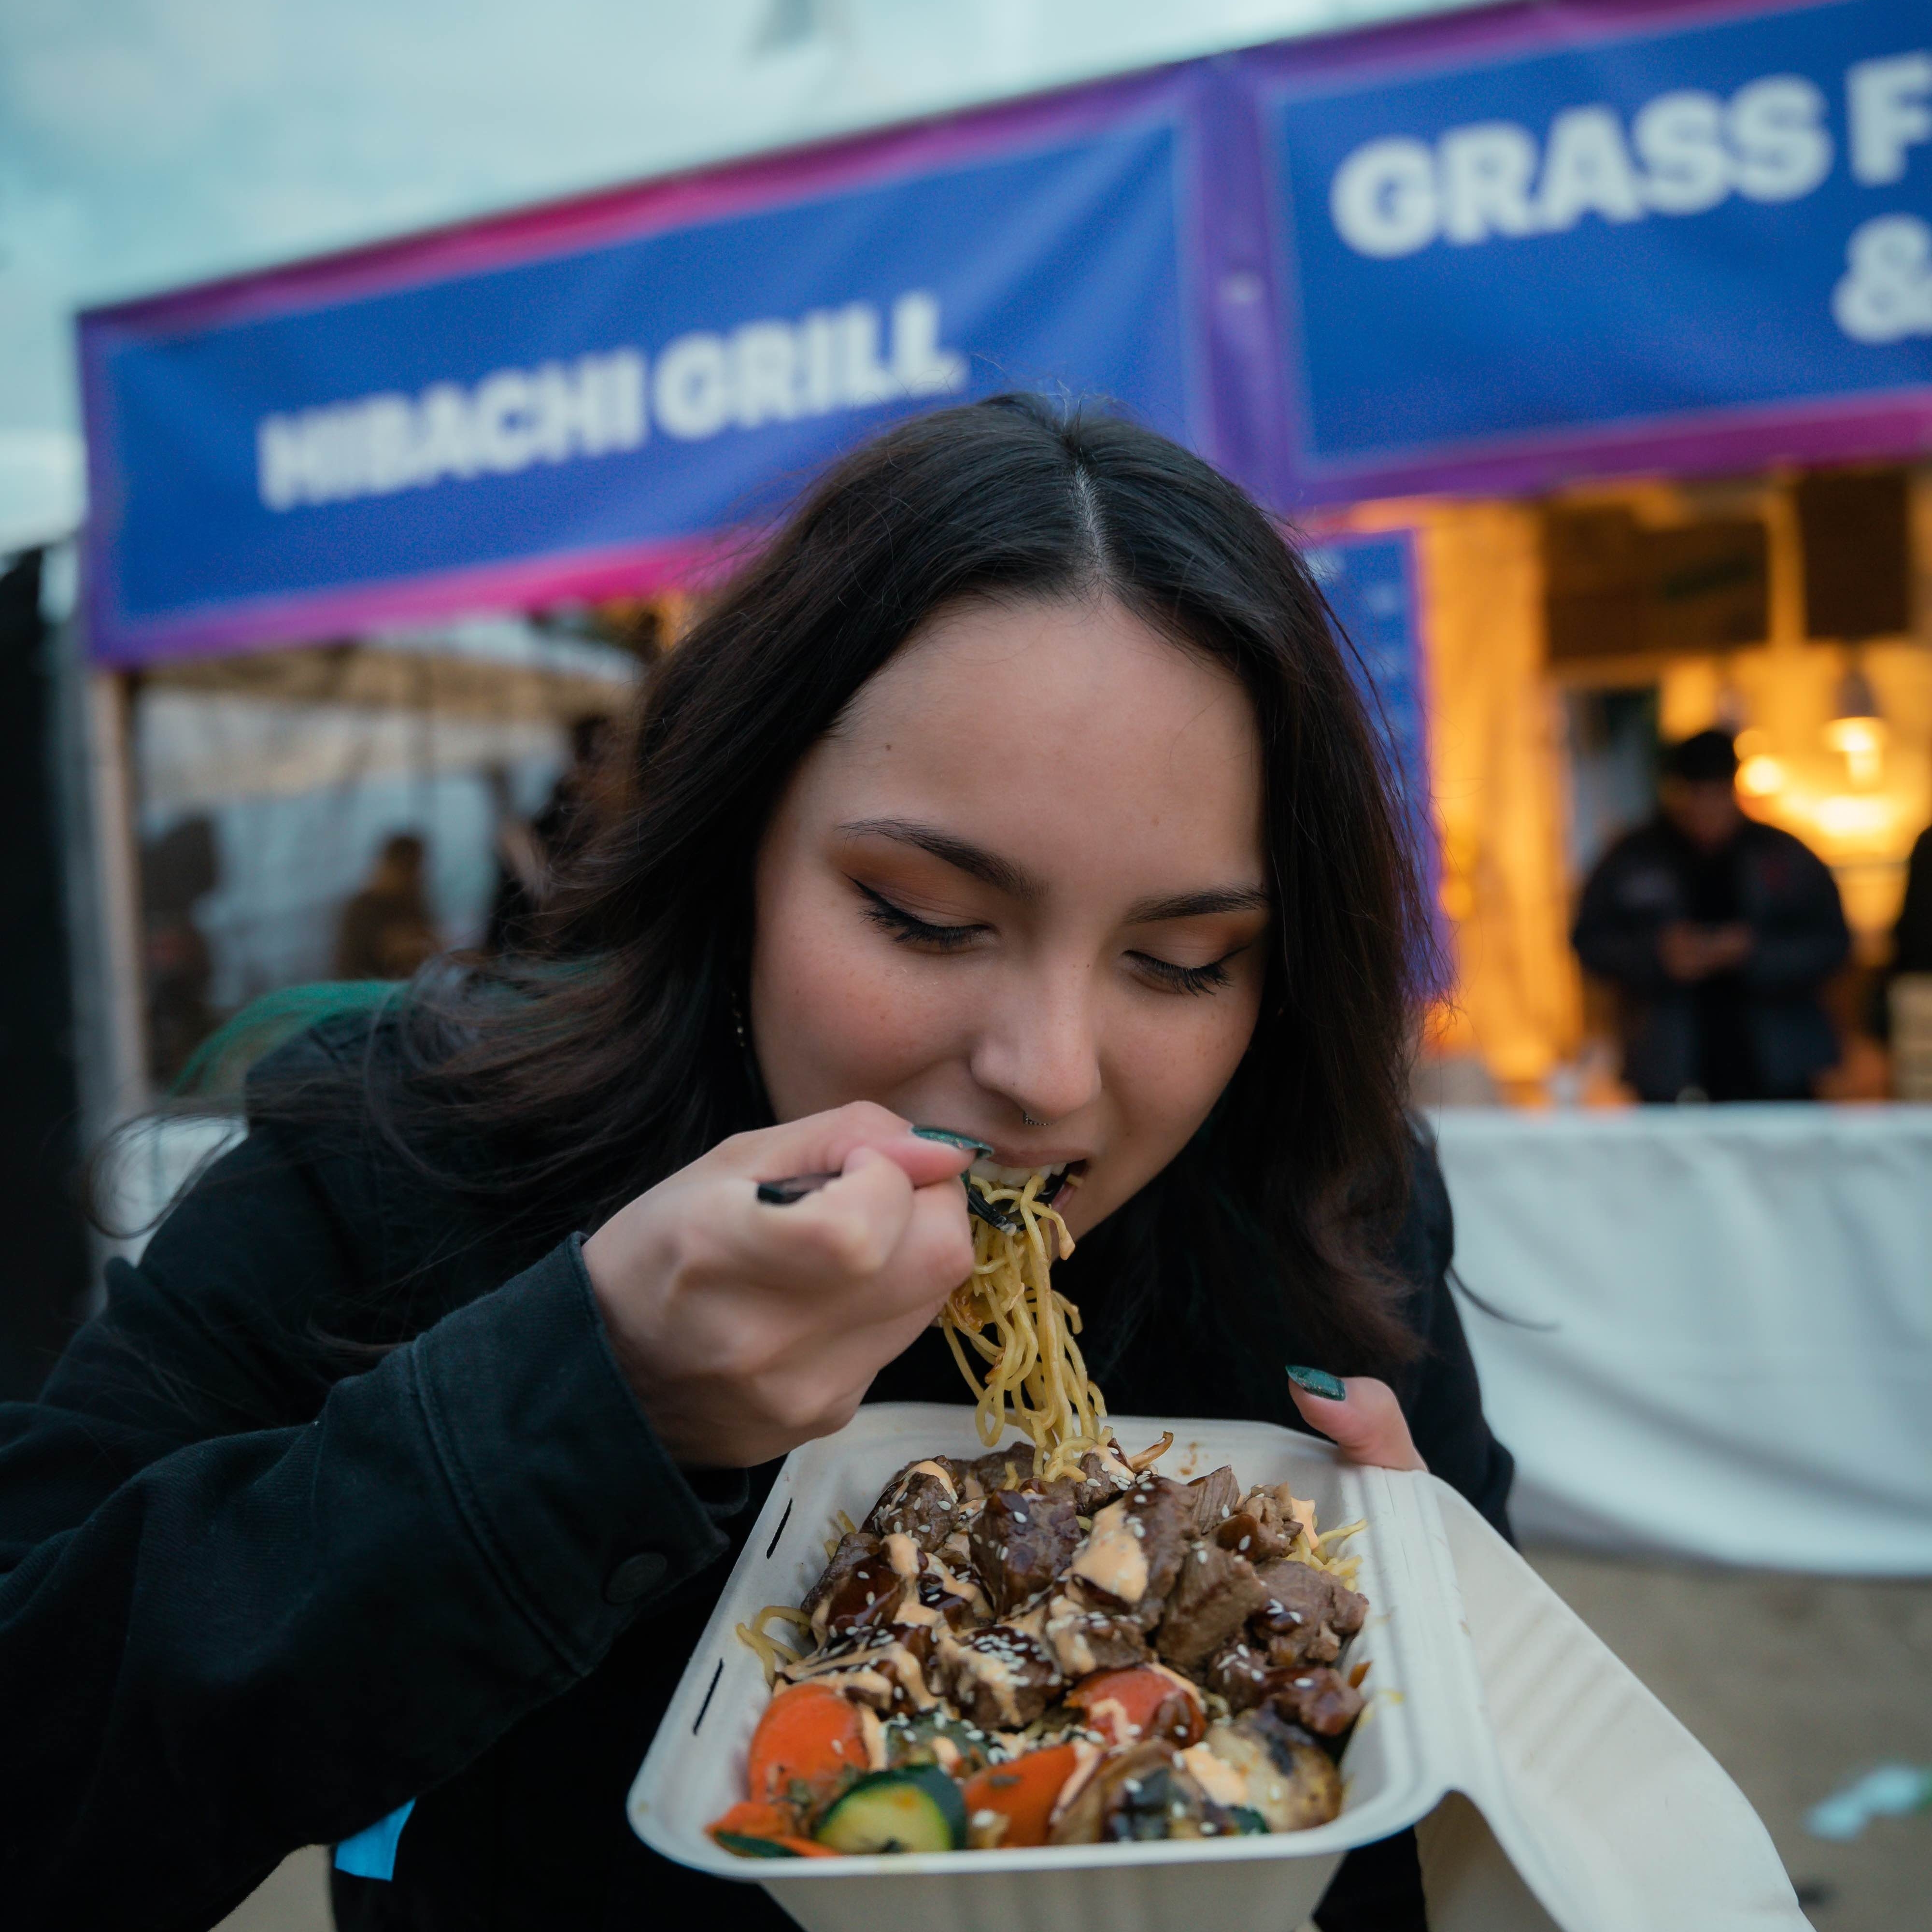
(1309, 1614)
(920, 1502)
(1215, 1495)
(1215, 1593)
(998, 1678)
(1021, 1541)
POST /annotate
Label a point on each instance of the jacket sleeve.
(1440, 1394)
(220, 1640)
(1807, 940)
(1613, 941)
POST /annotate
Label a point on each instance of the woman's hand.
(1366, 1423)
(746, 1328)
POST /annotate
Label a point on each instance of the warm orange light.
(1846, 815)
(1862, 741)
(1761, 776)
(1753, 741)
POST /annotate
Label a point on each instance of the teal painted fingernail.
(1318, 1381)
(950, 1139)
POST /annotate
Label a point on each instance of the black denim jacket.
(256, 1595)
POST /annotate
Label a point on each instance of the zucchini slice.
(916, 1808)
(753, 1848)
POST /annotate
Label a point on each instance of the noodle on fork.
(1008, 1314)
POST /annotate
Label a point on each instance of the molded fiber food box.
(1412, 1743)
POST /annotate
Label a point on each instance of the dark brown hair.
(573, 1083)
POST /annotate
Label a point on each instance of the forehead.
(1066, 725)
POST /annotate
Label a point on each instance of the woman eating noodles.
(1016, 797)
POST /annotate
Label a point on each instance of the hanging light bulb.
(1856, 727)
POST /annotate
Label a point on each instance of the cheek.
(834, 1016)
(1170, 1067)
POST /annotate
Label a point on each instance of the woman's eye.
(911, 931)
(1183, 978)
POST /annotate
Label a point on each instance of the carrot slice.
(1022, 1792)
(752, 1818)
(809, 1736)
(1140, 1702)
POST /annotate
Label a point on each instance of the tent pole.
(102, 882)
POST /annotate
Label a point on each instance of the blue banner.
(625, 398)
(1644, 225)
(1369, 582)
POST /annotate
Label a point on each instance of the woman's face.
(1020, 891)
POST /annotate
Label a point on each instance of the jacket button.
(634, 1577)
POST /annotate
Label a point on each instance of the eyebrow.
(1199, 905)
(1004, 875)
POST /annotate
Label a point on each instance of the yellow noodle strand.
(1009, 1313)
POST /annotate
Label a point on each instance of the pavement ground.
(1795, 1684)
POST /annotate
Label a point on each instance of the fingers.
(824, 1143)
(1366, 1424)
(868, 1240)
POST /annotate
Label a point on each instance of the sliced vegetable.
(746, 1847)
(1023, 1792)
(917, 1808)
(933, 1737)
(751, 1818)
(1128, 1705)
(810, 1739)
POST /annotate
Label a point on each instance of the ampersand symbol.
(1886, 294)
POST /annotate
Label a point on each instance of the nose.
(1040, 1048)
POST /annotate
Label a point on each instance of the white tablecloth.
(1733, 1352)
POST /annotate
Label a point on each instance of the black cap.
(1705, 757)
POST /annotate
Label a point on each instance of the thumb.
(1361, 1416)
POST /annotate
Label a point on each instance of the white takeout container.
(1594, 1812)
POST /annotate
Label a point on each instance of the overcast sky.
(146, 143)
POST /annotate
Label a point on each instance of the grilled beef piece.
(918, 1502)
(1085, 1639)
(1248, 1536)
(1308, 1615)
(853, 1549)
(1238, 1672)
(1102, 1479)
(1273, 1509)
(1215, 1495)
(1215, 1593)
(1318, 1699)
(865, 1594)
(1021, 1541)
(1133, 1552)
(1000, 1469)
(998, 1678)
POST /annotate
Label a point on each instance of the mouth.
(1060, 1179)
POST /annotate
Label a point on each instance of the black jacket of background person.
(252, 1598)
(1787, 897)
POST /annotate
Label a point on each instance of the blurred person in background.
(1718, 933)
(386, 932)
(1912, 937)
(177, 870)
(530, 856)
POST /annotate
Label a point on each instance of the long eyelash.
(1186, 979)
(904, 927)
